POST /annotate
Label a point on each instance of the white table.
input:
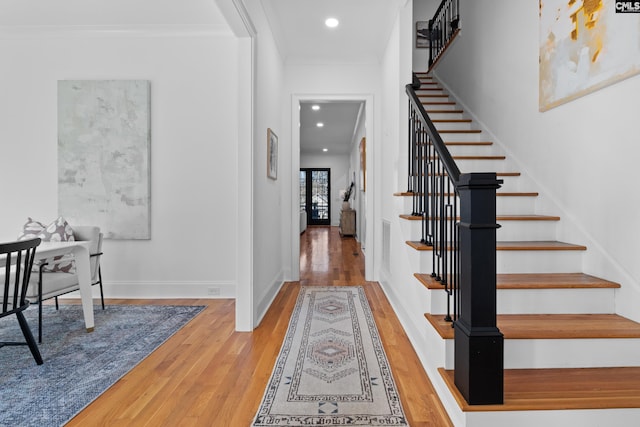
(80, 251)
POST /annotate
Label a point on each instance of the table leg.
(83, 270)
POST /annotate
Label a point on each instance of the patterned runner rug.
(332, 369)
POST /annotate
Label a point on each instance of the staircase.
(569, 359)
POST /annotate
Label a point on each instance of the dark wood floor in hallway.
(209, 375)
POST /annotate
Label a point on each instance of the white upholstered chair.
(47, 284)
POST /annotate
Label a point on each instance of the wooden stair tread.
(558, 389)
(518, 246)
(460, 131)
(553, 280)
(534, 281)
(552, 326)
(432, 95)
(543, 245)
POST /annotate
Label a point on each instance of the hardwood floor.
(209, 375)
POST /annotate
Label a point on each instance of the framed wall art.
(104, 137)
(422, 34)
(363, 164)
(584, 46)
(272, 154)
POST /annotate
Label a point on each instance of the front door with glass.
(315, 195)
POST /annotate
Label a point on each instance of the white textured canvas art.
(103, 155)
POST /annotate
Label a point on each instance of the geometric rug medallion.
(332, 368)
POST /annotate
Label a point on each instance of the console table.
(347, 222)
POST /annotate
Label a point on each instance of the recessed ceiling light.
(331, 22)
(315, 107)
(320, 124)
(325, 149)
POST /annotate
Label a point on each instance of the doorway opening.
(315, 121)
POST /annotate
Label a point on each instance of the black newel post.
(479, 358)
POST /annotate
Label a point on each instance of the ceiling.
(297, 25)
(339, 119)
(302, 37)
(299, 30)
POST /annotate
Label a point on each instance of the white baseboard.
(165, 290)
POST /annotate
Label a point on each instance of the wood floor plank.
(207, 374)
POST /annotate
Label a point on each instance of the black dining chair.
(16, 262)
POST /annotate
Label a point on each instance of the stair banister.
(463, 252)
(442, 28)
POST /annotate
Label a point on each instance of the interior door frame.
(373, 211)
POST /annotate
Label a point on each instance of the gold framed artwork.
(585, 45)
(363, 164)
(272, 154)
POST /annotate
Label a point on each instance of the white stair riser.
(426, 98)
(515, 261)
(524, 205)
(466, 136)
(505, 205)
(472, 150)
(564, 353)
(511, 184)
(483, 165)
(557, 418)
(542, 301)
(538, 261)
(509, 230)
(526, 230)
(445, 116)
(428, 106)
(452, 126)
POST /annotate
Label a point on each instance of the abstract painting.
(585, 45)
(103, 155)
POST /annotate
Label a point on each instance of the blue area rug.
(78, 366)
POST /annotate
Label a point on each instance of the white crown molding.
(74, 31)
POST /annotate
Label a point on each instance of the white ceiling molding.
(73, 31)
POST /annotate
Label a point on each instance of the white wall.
(194, 126)
(358, 199)
(339, 166)
(582, 154)
(269, 268)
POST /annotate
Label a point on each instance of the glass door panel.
(315, 195)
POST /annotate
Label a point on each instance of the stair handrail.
(443, 27)
(441, 148)
(463, 252)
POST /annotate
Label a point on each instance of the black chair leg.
(101, 293)
(40, 305)
(31, 342)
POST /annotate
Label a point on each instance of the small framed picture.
(272, 154)
(422, 34)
